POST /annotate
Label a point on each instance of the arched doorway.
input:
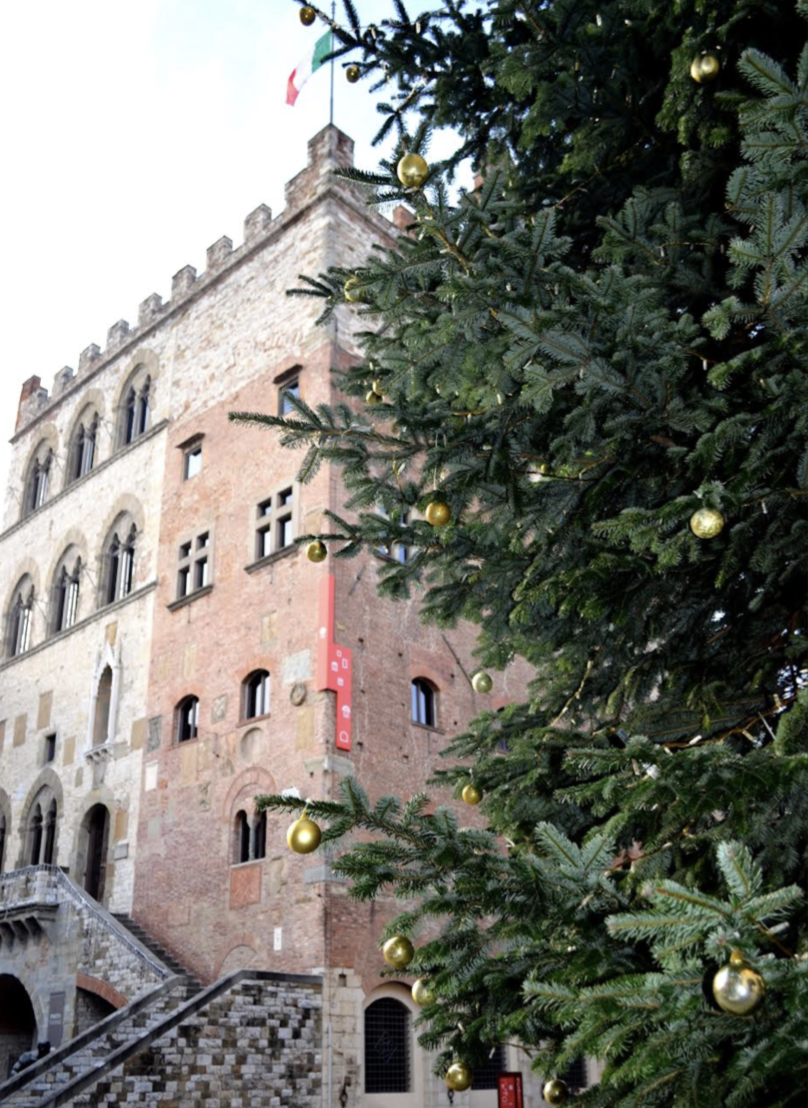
(17, 1023)
(96, 826)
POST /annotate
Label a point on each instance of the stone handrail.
(51, 885)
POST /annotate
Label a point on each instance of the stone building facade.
(160, 652)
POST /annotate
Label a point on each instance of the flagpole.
(333, 16)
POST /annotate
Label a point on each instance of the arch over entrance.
(93, 846)
(18, 1030)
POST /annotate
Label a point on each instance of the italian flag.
(310, 64)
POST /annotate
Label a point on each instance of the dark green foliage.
(576, 378)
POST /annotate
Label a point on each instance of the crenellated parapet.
(327, 150)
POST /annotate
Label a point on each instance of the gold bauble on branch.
(482, 682)
(422, 993)
(459, 1077)
(378, 386)
(706, 523)
(471, 794)
(412, 171)
(317, 551)
(737, 987)
(353, 293)
(303, 835)
(438, 514)
(705, 68)
(398, 952)
(372, 398)
(352, 74)
(556, 1091)
(307, 16)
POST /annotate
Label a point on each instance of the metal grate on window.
(485, 1076)
(576, 1075)
(387, 1047)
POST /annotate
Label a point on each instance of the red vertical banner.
(509, 1090)
(334, 664)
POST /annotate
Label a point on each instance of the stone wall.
(256, 1046)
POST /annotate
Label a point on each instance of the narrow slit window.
(187, 719)
(423, 702)
(192, 462)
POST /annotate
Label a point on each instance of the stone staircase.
(160, 952)
(253, 1038)
(89, 1053)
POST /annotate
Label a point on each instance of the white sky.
(134, 134)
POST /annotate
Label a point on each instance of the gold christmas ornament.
(352, 291)
(471, 795)
(317, 551)
(438, 514)
(307, 16)
(737, 987)
(412, 171)
(482, 683)
(422, 994)
(303, 835)
(706, 523)
(352, 74)
(398, 952)
(556, 1091)
(372, 398)
(705, 68)
(459, 1077)
(378, 386)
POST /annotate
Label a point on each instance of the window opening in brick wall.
(256, 694)
(193, 569)
(242, 852)
(423, 702)
(485, 1076)
(187, 718)
(291, 388)
(50, 748)
(275, 523)
(2, 841)
(103, 703)
(387, 1047)
(260, 836)
(192, 462)
(397, 551)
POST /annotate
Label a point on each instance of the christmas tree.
(589, 374)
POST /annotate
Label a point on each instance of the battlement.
(328, 149)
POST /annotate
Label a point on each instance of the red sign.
(509, 1088)
(334, 665)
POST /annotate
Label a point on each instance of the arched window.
(256, 694)
(242, 839)
(50, 834)
(35, 836)
(424, 702)
(38, 480)
(103, 703)
(134, 411)
(20, 618)
(187, 718)
(260, 836)
(83, 447)
(119, 561)
(65, 592)
(387, 1047)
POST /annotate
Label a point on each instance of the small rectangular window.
(285, 533)
(201, 577)
(50, 748)
(202, 540)
(264, 543)
(275, 523)
(185, 550)
(182, 581)
(291, 388)
(192, 462)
